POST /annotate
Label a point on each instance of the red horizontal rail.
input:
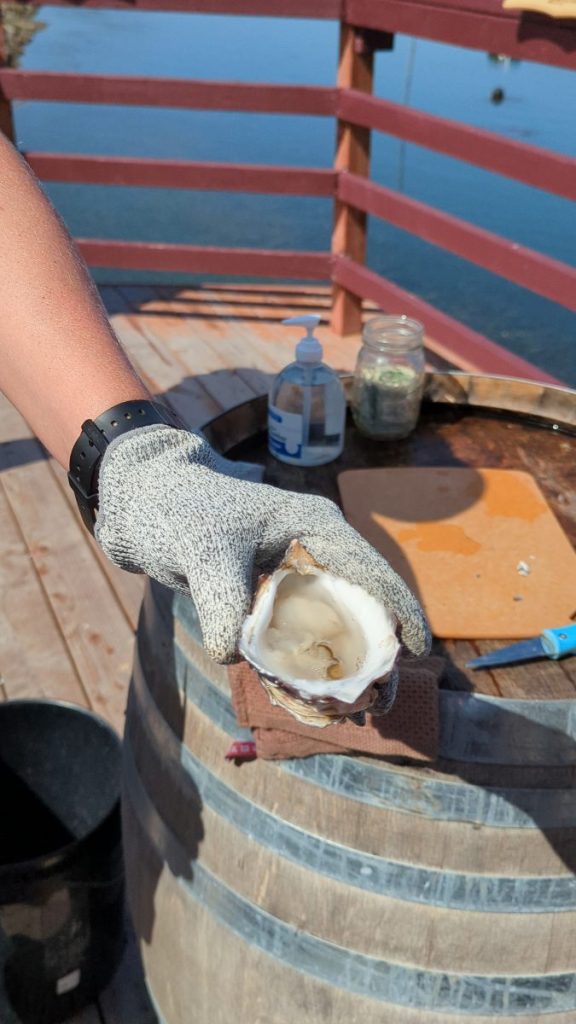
(479, 26)
(553, 172)
(534, 166)
(113, 170)
(550, 278)
(193, 259)
(268, 8)
(132, 90)
(477, 351)
(529, 269)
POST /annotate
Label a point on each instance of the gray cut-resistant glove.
(169, 507)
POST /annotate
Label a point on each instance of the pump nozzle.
(308, 349)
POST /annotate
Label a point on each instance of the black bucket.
(61, 872)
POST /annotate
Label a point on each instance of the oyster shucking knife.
(552, 643)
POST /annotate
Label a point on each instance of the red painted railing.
(529, 164)
(366, 25)
(477, 24)
(128, 90)
(541, 274)
(114, 170)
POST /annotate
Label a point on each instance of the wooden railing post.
(355, 71)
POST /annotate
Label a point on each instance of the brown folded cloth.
(409, 730)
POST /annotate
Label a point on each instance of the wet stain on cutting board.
(481, 548)
(438, 537)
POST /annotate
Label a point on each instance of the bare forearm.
(59, 360)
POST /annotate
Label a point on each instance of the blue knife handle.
(558, 642)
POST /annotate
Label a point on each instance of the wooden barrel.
(338, 888)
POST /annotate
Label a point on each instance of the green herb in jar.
(386, 400)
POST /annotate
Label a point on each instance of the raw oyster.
(318, 643)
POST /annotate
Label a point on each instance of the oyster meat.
(318, 643)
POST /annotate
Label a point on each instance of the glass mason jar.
(389, 377)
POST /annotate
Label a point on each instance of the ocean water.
(538, 108)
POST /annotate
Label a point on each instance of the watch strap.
(93, 441)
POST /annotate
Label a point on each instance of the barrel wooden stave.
(198, 969)
(284, 877)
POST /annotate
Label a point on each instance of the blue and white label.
(284, 432)
(335, 409)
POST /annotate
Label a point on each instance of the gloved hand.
(169, 507)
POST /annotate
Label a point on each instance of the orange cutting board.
(481, 548)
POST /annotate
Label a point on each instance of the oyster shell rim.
(298, 559)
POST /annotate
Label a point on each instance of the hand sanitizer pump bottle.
(306, 405)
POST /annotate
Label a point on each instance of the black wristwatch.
(94, 439)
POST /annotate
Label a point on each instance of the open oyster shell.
(318, 643)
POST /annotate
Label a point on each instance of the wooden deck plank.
(189, 345)
(243, 327)
(248, 304)
(229, 339)
(162, 373)
(34, 662)
(232, 331)
(98, 637)
(128, 587)
(269, 350)
(258, 327)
